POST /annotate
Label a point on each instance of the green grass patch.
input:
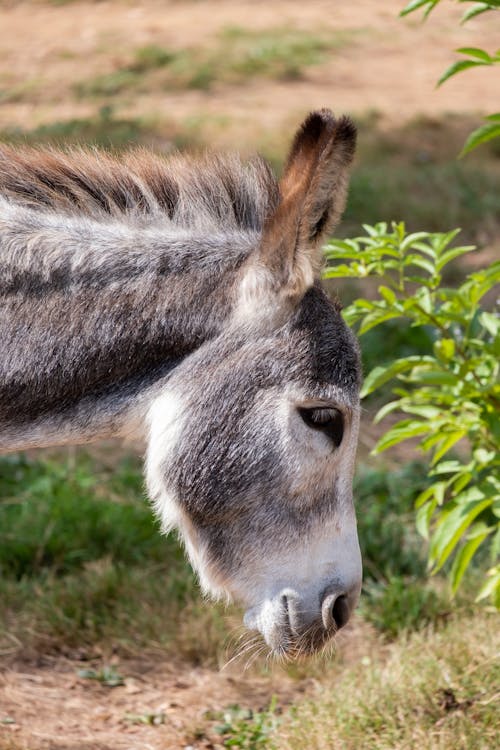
(240, 727)
(436, 196)
(237, 55)
(103, 129)
(82, 563)
(397, 594)
(412, 172)
(52, 517)
(384, 502)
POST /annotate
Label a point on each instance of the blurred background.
(105, 641)
(177, 75)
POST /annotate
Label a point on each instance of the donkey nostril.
(335, 611)
(341, 611)
(284, 604)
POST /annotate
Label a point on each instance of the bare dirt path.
(385, 64)
(46, 704)
(157, 707)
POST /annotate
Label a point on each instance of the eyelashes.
(326, 419)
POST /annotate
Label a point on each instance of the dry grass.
(430, 690)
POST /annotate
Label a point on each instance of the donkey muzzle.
(294, 625)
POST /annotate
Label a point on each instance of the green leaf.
(453, 524)
(492, 585)
(436, 491)
(446, 445)
(341, 271)
(490, 322)
(477, 535)
(387, 294)
(477, 52)
(424, 298)
(381, 375)
(452, 466)
(404, 430)
(418, 260)
(458, 67)
(482, 135)
(414, 240)
(433, 377)
(423, 518)
(376, 318)
(449, 255)
(416, 4)
(385, 410)
(462, 482)
(427, 411)
(476, 10)
(444, 349)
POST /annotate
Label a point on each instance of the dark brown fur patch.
(97, 184)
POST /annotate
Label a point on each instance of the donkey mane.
(209, 192)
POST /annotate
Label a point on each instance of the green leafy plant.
(451, 394)
(107, 676)
(248, 729)
(474, 57)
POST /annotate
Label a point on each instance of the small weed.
(251, 730)
(151, 57)
(108, 84)
(19, 92)
(277, 53)
(152, 719)
(107, 676)
(132, 76)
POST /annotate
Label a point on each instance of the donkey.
(179, 300)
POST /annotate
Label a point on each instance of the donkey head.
(252, 448)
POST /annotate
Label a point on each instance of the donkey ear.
(313, 193)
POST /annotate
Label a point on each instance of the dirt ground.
(53, 707)
(47, 705)
(391, 66)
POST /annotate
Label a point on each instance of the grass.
(435, 196)
(412, 172)
(104, 129)
(82, 562)
(432, 690)
(18, 92)
(108, 130)
(237, 55)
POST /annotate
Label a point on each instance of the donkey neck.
(95, 314)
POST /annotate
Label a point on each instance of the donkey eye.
(328, 420)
